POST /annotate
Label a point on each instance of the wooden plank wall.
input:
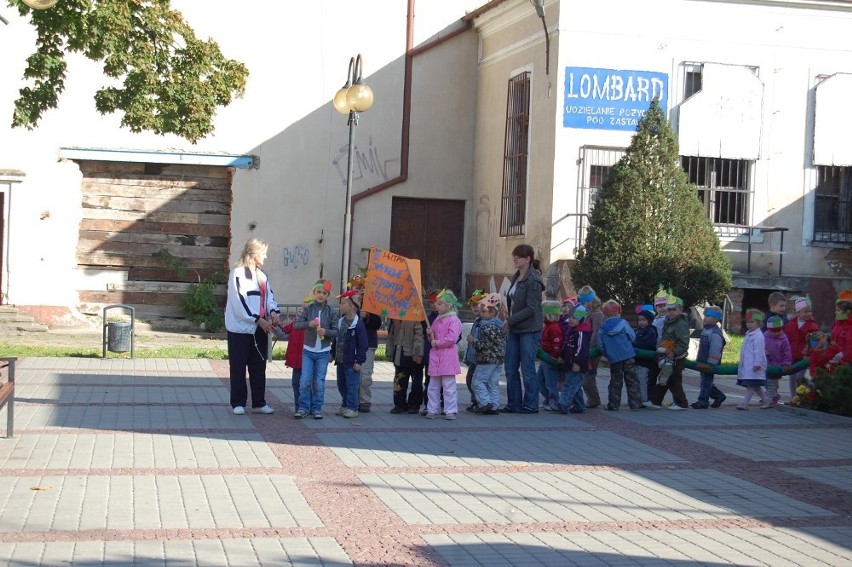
(132, 211)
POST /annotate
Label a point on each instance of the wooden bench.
(7, 392)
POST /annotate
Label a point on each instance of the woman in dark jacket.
(524, 325)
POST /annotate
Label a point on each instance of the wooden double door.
(432, 231)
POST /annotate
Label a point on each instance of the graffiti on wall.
(297, 257)
(367, 163)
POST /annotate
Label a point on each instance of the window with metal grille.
(833, 207)
(516, 156)
(723, 189)
(692, 78)
(597, 164)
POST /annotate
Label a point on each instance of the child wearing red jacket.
(841, 331)
(797, 330)
(551, 343)
(293, 356)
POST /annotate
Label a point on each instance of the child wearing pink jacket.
(444, 363)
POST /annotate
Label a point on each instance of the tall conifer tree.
(648, 227)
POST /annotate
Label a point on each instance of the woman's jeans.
(312, 383)
(521, 349)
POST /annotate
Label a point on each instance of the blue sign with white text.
(610, 99)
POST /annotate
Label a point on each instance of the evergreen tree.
(648, 227)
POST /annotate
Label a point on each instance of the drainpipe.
(410, 52)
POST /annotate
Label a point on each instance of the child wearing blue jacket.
(616, 342)
(350, 352)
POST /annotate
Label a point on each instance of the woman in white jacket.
(250, 314)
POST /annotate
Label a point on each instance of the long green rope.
(718, 369)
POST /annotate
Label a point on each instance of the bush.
(835, 390)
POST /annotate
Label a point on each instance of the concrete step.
(11, 327)
(8, 313)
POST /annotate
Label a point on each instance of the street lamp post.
(354, 97)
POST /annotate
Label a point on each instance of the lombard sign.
(610, 99)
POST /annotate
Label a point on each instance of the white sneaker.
(650, 404)
(264, 409)
(349, 413)
(239, 410)
(676, 407)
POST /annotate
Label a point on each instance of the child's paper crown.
(492, 300)
(673, 301)
(775, 322)
(611, 309)
(433, 295)
(845, 295)
(356, 282)
(803, 303)
(449, 297)
(580, 313)
(586, 298)
(661, 297)
(476, 297)
(551, 309)
(324, 285)
(643, 307)
(754, 315)
(713, 311)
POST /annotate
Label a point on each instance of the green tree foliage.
(166, 80)
(649, 228)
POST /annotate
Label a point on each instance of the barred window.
(833, 207)
(597, 165)
(723, 189)
(516, 156)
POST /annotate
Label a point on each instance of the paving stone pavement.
(141, 462)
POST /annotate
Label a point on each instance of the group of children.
(771, 346)
(566, 372)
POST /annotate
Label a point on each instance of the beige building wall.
(787, 45)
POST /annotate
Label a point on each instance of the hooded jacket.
(577, 343)
(616, 340)
(677, 331)
(778, 351)
(646, 339)
(798, 336)
(444, 356)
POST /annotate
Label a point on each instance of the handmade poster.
(392, 287)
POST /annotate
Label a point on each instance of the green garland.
(718, 369)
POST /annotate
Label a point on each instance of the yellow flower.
(802, 390)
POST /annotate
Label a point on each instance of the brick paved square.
(719, 417)
(771, 547)
(579, 496)
(838, 477)
(775, 443)
(151, 502)
(135, 450)
(232, 552)
(503, 448)
(129, 418)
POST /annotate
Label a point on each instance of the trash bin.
(118, 337)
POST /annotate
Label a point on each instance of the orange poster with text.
(392, 287)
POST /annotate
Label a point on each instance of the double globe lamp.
(352, 98)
